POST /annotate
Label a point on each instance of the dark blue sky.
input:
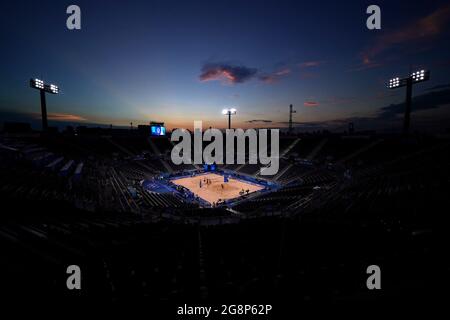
(180, 61)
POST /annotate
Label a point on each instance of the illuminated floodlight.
(37, 84)
(53, 89)
(43, 88)
(408, 82)
(394, 83)
(421, 75)
(40, 85)
(229, 112)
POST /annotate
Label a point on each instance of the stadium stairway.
(128, 152)
(157, 152)
(359, 151)
(285, 169)
(123, 149)
(126, 201)
(240, 167)
(244, 167)
(283, 154)
(317, 149)
(289, 148)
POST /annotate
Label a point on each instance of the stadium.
(95, 210)
(110, 195)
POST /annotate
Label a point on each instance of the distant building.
(144, 129)
(16, 127)
(52, 130)
(351, 128)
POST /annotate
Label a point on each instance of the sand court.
(217, 188)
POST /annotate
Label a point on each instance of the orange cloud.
(65, 117)
(231, 73)
(310, 103)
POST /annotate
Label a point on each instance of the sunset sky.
(180, 61)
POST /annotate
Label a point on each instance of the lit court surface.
(214, 191)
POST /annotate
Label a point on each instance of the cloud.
(309, 64)
(389, 118)
(366, 64)
(233, 74)
(310, 103)
(439, 87)
(427, 101)
(63, 117)
(267, 78)
(259, 121)
(283, 72)
(423, 29)
(227, 72)
(273, 77)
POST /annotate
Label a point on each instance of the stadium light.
(43, 88)
(229, 112)
(415, 77)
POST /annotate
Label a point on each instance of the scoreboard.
(157, 129)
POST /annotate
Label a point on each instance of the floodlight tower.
(290, 118)
(43, 88)
(415, 77)
(229, 112)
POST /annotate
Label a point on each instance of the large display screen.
(158, 130)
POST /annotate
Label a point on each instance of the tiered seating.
(295, 172)
(273, 201)
(230, 166)
(132, 171)
(306, 145)
(338, 147)
(249, 169)
(135, 144)
(121, 257)
(155, 163)
(317, 178)
(319, 254)
(163, 200)
(163, 144)
(180, 167)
